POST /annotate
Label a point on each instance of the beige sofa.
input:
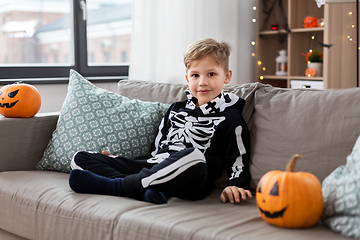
(322, 126)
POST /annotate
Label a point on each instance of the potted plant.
(314, 60)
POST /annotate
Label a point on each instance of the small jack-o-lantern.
(310, 72)
(310, 22)
(290, 199)
(19, 100)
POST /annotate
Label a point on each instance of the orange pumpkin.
(310, 72)
(290, 199)
(310, 22)
(19, 100)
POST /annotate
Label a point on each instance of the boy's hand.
(106, 153)
(233, 194)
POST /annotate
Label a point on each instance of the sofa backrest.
(320, 125)
(169, 93)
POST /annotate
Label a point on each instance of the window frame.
(32, 73)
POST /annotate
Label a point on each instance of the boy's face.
(206, 79)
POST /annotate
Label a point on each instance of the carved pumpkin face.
(19, 100)
(310, 22)
(290, 199)
(310, 72)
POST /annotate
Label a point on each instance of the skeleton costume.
(194, 145)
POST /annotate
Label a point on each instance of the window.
(44, 39)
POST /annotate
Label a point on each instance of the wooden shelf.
(295, 30)
(272, 32)
(307, 78)
(315, 29)
(275, 77)
(270, 77)
(339, 61)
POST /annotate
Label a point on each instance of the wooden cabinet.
(339, 60)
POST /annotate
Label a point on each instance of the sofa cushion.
(320, 125)
(152, 91)
(40, 205)
(169, 93)
(93, 119)
(208, 219)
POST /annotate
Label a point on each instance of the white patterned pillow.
(341, 191)
(93, 119)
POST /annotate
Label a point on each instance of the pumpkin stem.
(290, 167)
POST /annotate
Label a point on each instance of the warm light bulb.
(350, 13)
(254, 8)
(352, 25)
(253, 54)
(253, 43)
(308, 62)
(253, 20)
(264, 69)
(259, 63)
(310, 50)
(261, 77)
(350, 39)
(313, 37)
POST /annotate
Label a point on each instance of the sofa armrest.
(23, 140)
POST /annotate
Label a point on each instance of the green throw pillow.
(93, 119)
(341, 191)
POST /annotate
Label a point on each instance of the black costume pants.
(181, 174)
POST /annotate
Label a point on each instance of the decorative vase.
(318, 66)
(281, 63)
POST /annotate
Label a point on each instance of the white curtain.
(162, 29)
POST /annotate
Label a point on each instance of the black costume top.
(216, 128)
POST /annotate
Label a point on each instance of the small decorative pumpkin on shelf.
(310, 22)
(19, 100)
(290, 199)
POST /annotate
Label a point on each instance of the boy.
(197, 140)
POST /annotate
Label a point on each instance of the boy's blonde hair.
(220, 51)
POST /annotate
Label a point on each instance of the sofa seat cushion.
(209, 219)
(40, 205)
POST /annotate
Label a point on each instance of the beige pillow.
(321, 125)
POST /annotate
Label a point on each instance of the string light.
(352, 27)
(254, 43)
